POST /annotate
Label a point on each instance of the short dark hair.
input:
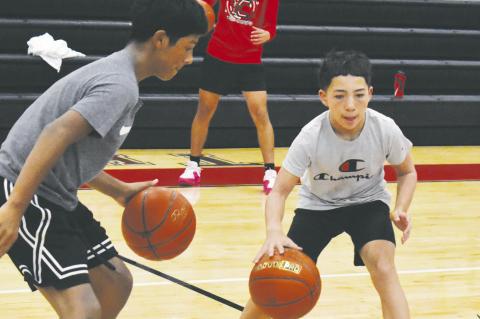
(178, 18)
(349, 62)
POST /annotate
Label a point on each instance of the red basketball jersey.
(230, 40)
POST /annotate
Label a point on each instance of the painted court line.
(225, 280)
(250, 175)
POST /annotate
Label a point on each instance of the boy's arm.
(266, 28)
(407, 180)
(211, 2)
(271, 16)
(117, 189)
(51, 144)
(274, 210)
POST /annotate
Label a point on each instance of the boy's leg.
(378, 256)
(77, 302)
(110, 279)
(257, 106)
(371, 230)
(112, 287)
(207, 105)
(251, 311)
(102, 299)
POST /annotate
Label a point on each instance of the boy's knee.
(260, 117)
(382, 268)
(127, 280)
(82, 309)
(206, 109)
(93, 311)
(123, 279)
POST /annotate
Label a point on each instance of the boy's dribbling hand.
(276, 240)
(132, 189)
(9, 225)
(403, 221)
(259, 36)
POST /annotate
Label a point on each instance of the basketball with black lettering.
(158, 223)
(285, 286)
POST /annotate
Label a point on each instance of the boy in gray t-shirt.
(339, 158)
(65, 139)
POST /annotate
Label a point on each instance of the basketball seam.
(169, 239)
(169, 252)
(308, 294)
(173, 196)
(130, 228)
(144, 222)
(313, 270)
(145, 230)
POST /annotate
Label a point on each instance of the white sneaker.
(269, 180)
(191, 175)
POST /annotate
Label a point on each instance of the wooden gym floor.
(439, 266)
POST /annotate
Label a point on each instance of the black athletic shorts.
(313, 230)
(56, 247)
(226, 78)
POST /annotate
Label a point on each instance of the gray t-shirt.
(336, 172)
(106, 94)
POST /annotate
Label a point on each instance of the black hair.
(178, 18)
(338, 63)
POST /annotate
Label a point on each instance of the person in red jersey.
(233, 63)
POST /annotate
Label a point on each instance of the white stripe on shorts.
(39, 251)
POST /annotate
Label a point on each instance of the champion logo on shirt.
(349, 166)
(124, 130)
(328, 177)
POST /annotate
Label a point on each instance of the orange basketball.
(285, 286)
(158, 223)
(209, 13)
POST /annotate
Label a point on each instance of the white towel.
(50, 50)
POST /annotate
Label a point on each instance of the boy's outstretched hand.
(132, 189)
(403, 221)
(259, 36)
(276, 240)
